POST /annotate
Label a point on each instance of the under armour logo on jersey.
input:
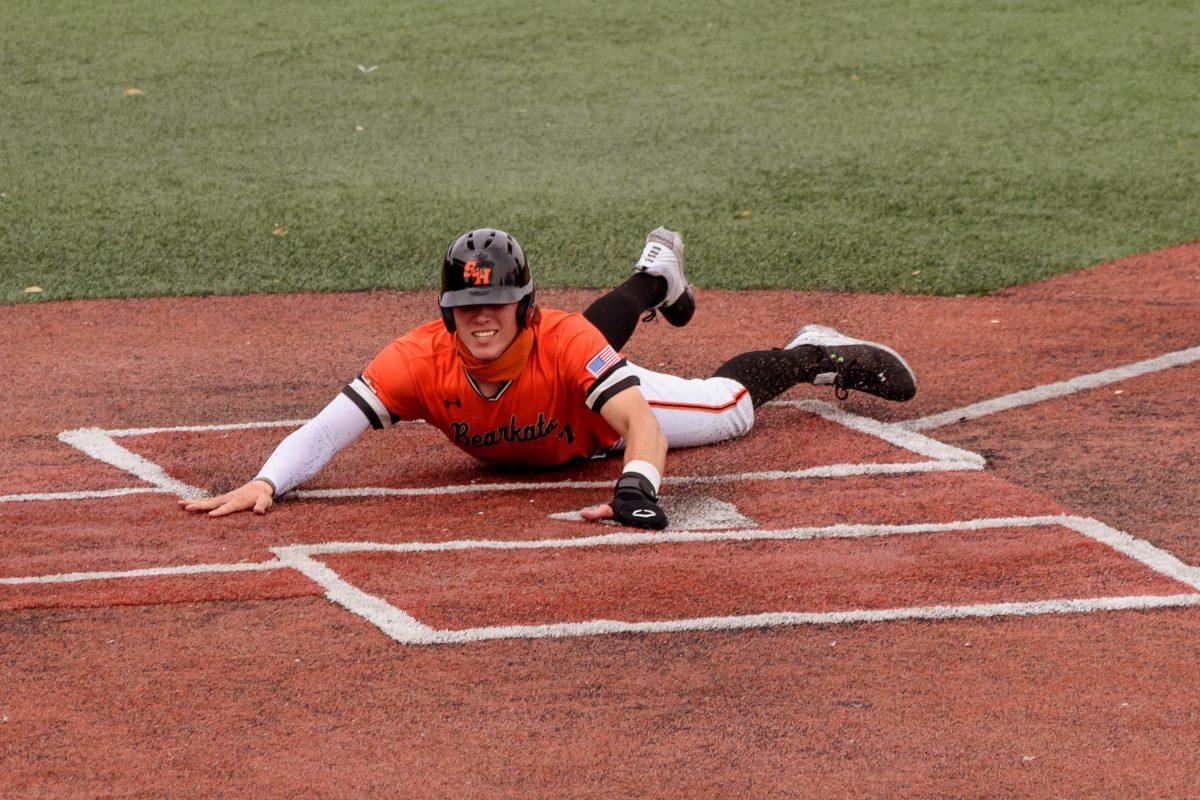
(477, 275)
(457, 403)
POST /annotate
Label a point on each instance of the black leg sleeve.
(616, 314)
(768, 373)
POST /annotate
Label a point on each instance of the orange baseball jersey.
(548, 415)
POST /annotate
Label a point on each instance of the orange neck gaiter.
(505, 368)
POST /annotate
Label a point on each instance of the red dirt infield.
(192, 663)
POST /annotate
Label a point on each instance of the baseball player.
(511, 383)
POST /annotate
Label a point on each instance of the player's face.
(487, 331)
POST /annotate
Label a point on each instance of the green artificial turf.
(977, 144)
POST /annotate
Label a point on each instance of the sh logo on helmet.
(477, 275)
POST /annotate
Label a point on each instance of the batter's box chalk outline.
(102, 445)
(405, 629)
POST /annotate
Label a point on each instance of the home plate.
(690, 513)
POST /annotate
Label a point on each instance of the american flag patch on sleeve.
(603, 361)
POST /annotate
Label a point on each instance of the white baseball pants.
(696, 411)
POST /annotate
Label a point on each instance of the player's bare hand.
(597, 513)
(256, 495)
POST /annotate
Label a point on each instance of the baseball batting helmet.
(486, 267)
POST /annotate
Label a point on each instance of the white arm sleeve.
(302, 454)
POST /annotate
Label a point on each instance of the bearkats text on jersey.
(512, 432)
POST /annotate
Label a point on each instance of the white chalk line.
(1153, 557)
(145, 572)
(1051, 391)
(101, 445)
(225, 426)
(831, 471)
(293, 555)
(230, 426)
(796, 618)
(629, 538)
(391, 620)
(895, 434)
(379, 612)
(97, 494)
(1140, 550)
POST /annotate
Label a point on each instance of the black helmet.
(486, 266)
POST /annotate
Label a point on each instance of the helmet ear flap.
(525, 309)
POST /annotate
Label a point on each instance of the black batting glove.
(635, 503)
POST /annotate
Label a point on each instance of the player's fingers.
(595, 513)
(262, 504)
(229, 508)
(202, 503)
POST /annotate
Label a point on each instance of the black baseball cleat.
(855, 364)
(663, 256)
